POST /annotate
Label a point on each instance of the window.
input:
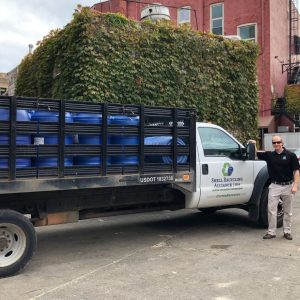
(216, 142)
(3, 90)
(217, 19)
(247, 32)
(184, 15)
(297, 44)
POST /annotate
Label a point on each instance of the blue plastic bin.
(124, 139)
(50, 139)
(164, 140)
(22, 115)
(88, 139)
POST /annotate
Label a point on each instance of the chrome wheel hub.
(3, 241)
(12, 244)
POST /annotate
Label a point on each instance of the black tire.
(17, 242)
(263, 211)
(208, 210)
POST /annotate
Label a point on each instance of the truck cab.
(226, 176)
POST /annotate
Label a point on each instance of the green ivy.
(293, 98)
(109, 58)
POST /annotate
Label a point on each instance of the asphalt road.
(165, 255)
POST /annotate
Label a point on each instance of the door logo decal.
(227, 169)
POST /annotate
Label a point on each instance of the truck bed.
(174, 123)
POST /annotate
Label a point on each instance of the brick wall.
(270, 16)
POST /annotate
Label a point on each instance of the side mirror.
(243, 153)
(250, 148)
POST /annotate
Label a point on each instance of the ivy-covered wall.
(293, 98)
(108, 58)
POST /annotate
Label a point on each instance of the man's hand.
(294, 188)
(252, 142)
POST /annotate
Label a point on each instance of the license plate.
(157, 178)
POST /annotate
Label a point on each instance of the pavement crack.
(84, 276)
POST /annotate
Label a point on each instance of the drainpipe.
(203, 14)
(290, 39)
(290, 31)
(262, 27)
(262, 52)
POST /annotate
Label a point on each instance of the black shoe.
(288, 236)
(268, 236)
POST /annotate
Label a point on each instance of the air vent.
(155, 12)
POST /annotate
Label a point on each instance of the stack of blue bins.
(88, 139)
(50, 139)
(22, 115)
(124, 140)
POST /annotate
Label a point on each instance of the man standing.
(283, 168)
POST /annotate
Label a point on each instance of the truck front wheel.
(263, 210)
(17, 242)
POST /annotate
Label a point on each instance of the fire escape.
(292, 67)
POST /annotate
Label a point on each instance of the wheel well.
(261, 182)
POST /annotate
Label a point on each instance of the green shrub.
(293, 98)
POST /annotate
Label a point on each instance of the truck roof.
(207, 124)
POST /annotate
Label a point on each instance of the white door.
(225, 178)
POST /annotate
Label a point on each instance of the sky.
(24, 22)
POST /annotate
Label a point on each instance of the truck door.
(225, 178)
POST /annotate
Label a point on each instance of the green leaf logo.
(227, 169)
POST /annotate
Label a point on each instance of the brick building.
(3, 83)
(273, 24)
(12, 81)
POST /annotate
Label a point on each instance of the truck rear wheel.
(263, 210)
(17, 242)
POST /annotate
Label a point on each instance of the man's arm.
(253, 142)
(260, 154)
(295, 166)
(296, 181)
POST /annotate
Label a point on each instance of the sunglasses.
(276, 142)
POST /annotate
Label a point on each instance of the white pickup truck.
(227, 175)
(108, 159)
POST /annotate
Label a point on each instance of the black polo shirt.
(280, 166)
